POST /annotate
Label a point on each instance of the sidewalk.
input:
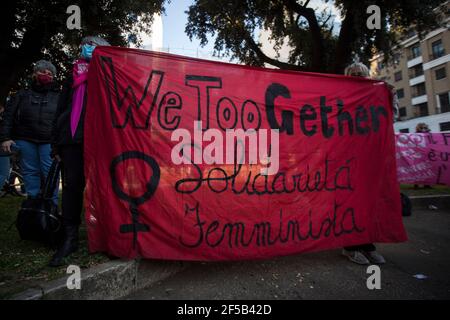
(118, 278)
(438, 202)
(415, 270)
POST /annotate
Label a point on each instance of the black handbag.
(39, 219)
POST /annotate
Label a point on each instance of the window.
(415, 51)
(406, 130)
(418, 90)
(415, 71)
(423, 109)
(444, 126)
(400, 93)
(398, 76)
(444, 101)
(440, 73)
(437, 49)
(402, 112)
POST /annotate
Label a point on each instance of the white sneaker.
(355, 256)
(374, 257)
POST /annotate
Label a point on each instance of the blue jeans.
(4, 170)
(35, 162)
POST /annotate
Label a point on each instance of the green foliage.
(308, 31)
(33, 29)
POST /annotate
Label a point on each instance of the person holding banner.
(67, 146)
(366, 253)
(27, 126)
(422, 127)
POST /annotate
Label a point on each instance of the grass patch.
(23, 264)
(410, 190)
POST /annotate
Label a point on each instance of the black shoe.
(68, 246)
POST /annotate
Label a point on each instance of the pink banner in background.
(423, 158)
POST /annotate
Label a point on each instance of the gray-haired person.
(27, 124)
(67, 146)
(366, 253)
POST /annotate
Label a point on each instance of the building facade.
(420, 73)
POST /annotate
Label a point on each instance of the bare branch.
(261, 55)
(326, 20)
(282, 65)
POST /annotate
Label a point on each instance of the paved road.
(326, 275)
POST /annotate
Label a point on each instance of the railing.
(411, 56)
(415, 74)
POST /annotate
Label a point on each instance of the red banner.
(423, 158)
(198, 160)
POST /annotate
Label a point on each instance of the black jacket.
(61, 132)
(29, 115)
(3, 153)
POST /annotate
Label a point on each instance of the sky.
(174, 37)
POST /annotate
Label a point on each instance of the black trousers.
(73, 183)
(362, 247)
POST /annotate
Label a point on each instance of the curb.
(107, 281)
(439, 201)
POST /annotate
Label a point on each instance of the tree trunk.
(352, 29)
(317, 59)
(14, 61)
(8, 78)
(344, 45)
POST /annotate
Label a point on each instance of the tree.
(33, 30)
(309, 32)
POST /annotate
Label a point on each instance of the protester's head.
(88, 45)
(422, 127)
(44, 72)
(357, 69)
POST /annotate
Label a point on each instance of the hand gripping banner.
(189, 159)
